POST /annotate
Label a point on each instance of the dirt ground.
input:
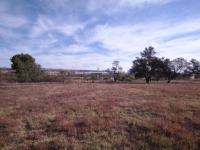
(55, 116)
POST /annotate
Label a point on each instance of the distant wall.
(7, 75)
(58, 75)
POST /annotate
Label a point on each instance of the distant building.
(6, 70)
(89, 72)
(55, 72)
(75, 72)
(192, 77)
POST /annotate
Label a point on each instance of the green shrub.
(124, 77)
(26, 68)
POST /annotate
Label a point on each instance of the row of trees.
(149, 66)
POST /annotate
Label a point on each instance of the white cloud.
(125, 41)
(6, 54)
(70, 49)
(7, 34)
(187, 47)
(46, 24)
(11, 21)
(46, 36)
(111, 6)
(89, 61)
(77, 48)
(70, 29)
(128, 38)
(140, 3)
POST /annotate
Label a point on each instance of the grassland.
(99, 116)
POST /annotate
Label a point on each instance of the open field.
(100, 116)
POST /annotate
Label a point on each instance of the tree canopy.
(26, 68)
(145, 66)
(149, 66)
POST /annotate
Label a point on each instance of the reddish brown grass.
(100, 116)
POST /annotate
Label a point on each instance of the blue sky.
(90, 34)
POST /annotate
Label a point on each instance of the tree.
(168, 71)
(148, 53)
(158, 66)
(146, 65)
(116, 69)
(140, 69)
(26, 68)
(62, 75)
(194, 67)
(178, 66)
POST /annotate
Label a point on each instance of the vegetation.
(151, 67)
(94, 115)
(147, 66)
(26, 68)
(116, 70)
(194, 67)
(46, 116)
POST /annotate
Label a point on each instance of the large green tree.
(26, 68)
(144, 66)
(149, 66)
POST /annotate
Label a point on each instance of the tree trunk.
(169, 78)
(147, 80)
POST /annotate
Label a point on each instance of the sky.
(91, 34)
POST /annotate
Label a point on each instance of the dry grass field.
(99, 116)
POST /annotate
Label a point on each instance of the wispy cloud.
(128, 38)
(10, 21)
(46, 25)
(143, 2)
(90, 34)
(113, 6)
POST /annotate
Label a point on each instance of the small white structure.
(192, 77)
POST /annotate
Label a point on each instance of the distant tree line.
(147, 66)
(150, 67)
